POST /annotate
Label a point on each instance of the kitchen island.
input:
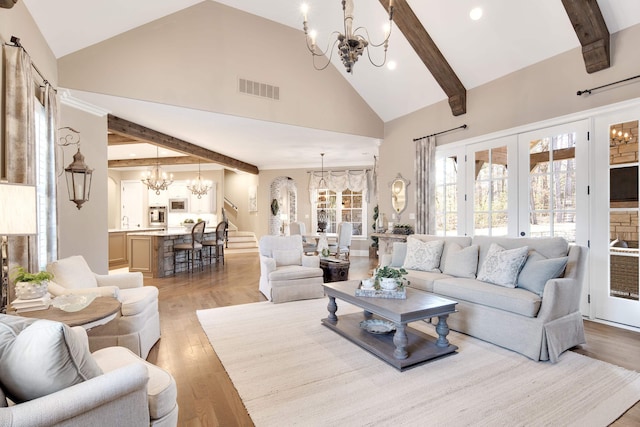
(118, 250)
(151, 252)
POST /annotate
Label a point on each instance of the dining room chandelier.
(351, 43)
(155, 179)
(198, 187)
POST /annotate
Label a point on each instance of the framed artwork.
(253, 199)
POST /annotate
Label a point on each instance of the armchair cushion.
(287, 257)
(73, 273)
(40, 357)
(293, 272)
(136, 300)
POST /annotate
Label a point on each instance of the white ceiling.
(511, 35)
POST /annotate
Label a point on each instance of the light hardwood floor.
(206, 396)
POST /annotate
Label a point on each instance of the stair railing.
(230, 203)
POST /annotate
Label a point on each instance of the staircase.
(241, 239)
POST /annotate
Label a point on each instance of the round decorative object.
(389, 283)
(378, 326)
(275, 207)
(31, 290)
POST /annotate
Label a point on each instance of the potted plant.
(403, 229)
(188, 224)
(30, 285)
(390, 278)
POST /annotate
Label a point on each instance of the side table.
(334, 270)
(101, 311)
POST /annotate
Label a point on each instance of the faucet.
(125, 221)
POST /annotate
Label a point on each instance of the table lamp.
(18, 218)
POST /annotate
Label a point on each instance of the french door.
(615, 258)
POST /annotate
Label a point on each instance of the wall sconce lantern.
(78, 174)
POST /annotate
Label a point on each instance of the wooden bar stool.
(190, 249)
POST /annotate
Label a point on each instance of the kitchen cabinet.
(205, 204)
(141, 254)
(178, 190)
(161, 199)
(117, 249)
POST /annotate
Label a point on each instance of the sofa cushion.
(550, 247)
(423, 256)
(423, 280)
(72, 273)
(40, 357)
(538, 270)
(287, 257)
(292, 272)
(519, 301)
(501, 266)
(460, 261)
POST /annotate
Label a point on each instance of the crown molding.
(69, 100)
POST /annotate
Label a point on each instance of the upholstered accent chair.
(301, 229)
(286, 274)
(138, 325)
(343, 244)
(51, 379)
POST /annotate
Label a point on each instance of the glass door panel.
(490, 191)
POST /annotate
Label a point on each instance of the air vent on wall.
(263, 90)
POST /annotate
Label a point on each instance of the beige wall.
(84, 232)
(194, 58)
(236, 189)
(542, 91)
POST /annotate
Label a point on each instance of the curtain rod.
(439, 133)
(16, 43)
(582, 92)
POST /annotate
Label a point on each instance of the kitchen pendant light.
(198, 187)
(155, 179)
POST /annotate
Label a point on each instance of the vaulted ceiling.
(439, 51)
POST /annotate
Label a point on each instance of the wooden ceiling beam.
(424, 46)
(115, 139)
(124, 127)
(164, 161)
(592, 31)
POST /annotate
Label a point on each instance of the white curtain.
(354, 180)
(425, 185)
(19, 159)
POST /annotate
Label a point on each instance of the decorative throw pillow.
(423, 256)
(461, 262)
(538, 269)
(501, 266)
(40, 357)
(399, 254)
(287, 257)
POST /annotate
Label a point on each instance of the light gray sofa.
(538, 318)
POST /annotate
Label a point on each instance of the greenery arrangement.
(403, 229)
(376, 213)
(22, 275)
(388, 272)
(188, 221)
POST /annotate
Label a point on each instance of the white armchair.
(137, 327)
(53, 380)
(286, 274)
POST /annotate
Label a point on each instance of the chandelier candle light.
(198, 187)
(351, 45)
(155, 179)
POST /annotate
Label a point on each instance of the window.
(447, 195)
(45, 240)
(342, 206)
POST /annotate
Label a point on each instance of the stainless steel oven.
(158, 216)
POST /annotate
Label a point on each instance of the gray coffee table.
(405, 348)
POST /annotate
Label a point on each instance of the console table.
(386, 240)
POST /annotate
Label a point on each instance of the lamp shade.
(18, 215)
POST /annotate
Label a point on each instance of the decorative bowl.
(368, 283)
(389, 283)
(72, 303)
(378, 326)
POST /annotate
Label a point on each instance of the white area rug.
(291, 370)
